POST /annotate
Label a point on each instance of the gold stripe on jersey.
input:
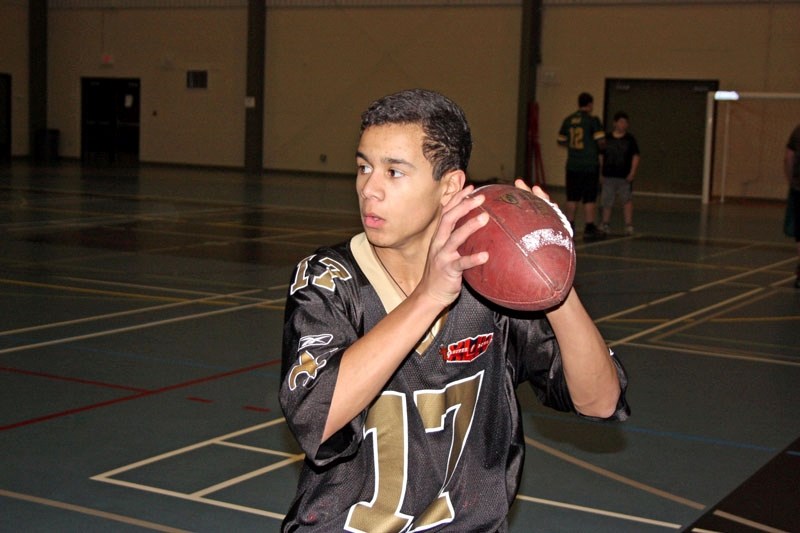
(389, 293)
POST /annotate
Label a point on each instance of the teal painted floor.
(141, 314)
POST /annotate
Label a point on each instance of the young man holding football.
(402, 432)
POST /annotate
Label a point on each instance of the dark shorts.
(582, 186)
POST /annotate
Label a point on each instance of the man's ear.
(452, 182)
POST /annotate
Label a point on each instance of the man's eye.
(393, 172)
(364, 169)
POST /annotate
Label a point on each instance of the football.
(531, 263)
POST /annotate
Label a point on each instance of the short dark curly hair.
(585, 99)
(448, 141)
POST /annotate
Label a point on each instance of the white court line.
(710, 353)
(199, 496)
(138, 286)
(91, 512)
(743, 274)
(693, 289)
(65, 223)
(126, 313)
(255, 449)
(146, 325)
(184, 496)
(101, 477)
(640, 307)
(250, 475)
(663, 338)
(613, 475)
(223, 205)
(722, 253)
(601, 512)
(159, 287)
(750, 523)
(682, 318)
(627, 481)
(669, 323)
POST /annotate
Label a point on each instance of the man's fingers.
(470, 226)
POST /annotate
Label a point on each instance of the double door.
(110, 114)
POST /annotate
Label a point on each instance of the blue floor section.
(140, 342)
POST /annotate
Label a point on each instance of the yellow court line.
(694, 289)
(662, 262)
(745, 319)
(681, 318)
(743, 275)
(206, 205)
(66, 288)
(89, 511)
(699, 266)
(702, 350)
(128, 295)
(715, 318)
(629, 310)
(140, 286)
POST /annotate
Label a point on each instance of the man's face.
(621, 125)
(399, 199)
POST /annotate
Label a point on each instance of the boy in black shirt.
(620, 162)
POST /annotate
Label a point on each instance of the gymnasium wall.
(14, 61)
(325, 64)
(158, 46)
(746, 46)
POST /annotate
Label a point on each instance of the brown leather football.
(531, 252)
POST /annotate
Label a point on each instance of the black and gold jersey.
(441, 448)
(580, 133)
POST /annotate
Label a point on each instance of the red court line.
(256, 408)
(139, 395)
(72, 380)
(200, 400)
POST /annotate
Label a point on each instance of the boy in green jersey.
(583, 135)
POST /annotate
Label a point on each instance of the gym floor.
(140, 353)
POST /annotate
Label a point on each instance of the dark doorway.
(110, 109)
(5, 118)
(668, 119)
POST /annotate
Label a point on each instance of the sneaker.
(592, 233)
(629, 230)
(605, 228)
